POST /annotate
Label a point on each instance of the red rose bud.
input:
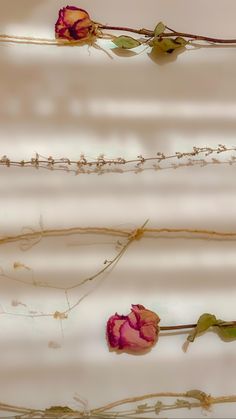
(73, 24)
(136, 332)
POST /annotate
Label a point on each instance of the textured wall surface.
(67, 101)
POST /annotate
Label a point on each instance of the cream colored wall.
(64, 101)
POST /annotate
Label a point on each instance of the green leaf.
(168, 44)
(181, 41)
(205, 321)
(227, 333)
(126, 42)
(159, 29)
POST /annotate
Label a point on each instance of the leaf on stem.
(225, 330)
(205, 321)
(126, 42)
(181, 41)
(159, 29)
(168, 44)
(227, 333)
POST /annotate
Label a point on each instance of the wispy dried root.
(128, 237)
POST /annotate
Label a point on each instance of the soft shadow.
(122, 351)
(121, 52)
(211, 45)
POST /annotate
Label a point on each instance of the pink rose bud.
(136, 332)
(73, 24)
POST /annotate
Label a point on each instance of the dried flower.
(73, 24)
(136, 332)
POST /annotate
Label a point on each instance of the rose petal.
(132, 318)
(73, 14)
(149, 333)
(81, 29)
(145, 316)
(113, 330)
(130, 339)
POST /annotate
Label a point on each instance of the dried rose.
(136, 332)
(73, 24)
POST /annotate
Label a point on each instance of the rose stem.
(179, 327)
(148, 32)
(192, 326)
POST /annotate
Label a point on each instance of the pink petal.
(145, 316)
(131, 340)
(149, 333)
(132, 319)
(113, 330)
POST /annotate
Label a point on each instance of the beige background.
(64, 101)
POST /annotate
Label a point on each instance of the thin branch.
(98, 164)
(182, 400)
(116, 232)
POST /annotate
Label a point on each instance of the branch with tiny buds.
(103, 164)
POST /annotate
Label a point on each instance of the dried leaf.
(160, 27)
(181, 41)
(227, 333)
(58, 410)
(225, 330)
(196, 394)
(183, 404)
(142, 406)
(59, 316)
(168, 44)
(205, 321)
(158, 407)
(126, 42)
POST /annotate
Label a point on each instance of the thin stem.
(134, 400)
(150, 33)
(200, 37)
(192, 326)
(143, 31)
(190, 399)
(115, 232)
(178, 327)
